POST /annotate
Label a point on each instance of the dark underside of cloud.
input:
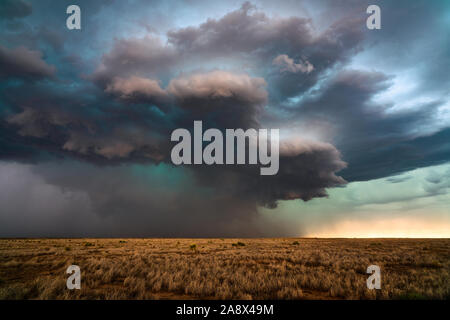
(11, 9)
(85, 140)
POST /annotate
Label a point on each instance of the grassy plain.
(284, 268)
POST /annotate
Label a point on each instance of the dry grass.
(224, 268)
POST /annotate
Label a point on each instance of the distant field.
(224, 268)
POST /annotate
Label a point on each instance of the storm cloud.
(88, 115)
(23, 63)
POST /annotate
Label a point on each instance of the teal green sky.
(412, 204)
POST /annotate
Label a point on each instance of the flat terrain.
(284, 268)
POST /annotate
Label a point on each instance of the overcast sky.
(86, 117)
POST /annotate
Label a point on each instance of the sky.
(86, 118)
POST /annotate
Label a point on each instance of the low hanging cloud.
(306, 169)
(12, 9)
(121, 145)
(225, 99)
(219, 98)
(23, 63)
(245, 30)
(34, 123)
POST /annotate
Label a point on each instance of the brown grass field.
(284, 268)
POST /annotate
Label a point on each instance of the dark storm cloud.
(71, 123)
(243, 31)
(10, 9)
(260, 38)
(306, 170)
(372, 139)
(399, 156)
(224, 99)
(221, 99)
(139, 201)
(79, 199)
(129, 130)
(248, 32)
(139, 57)
(108, 103)
(245, 34)
(23, 63)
